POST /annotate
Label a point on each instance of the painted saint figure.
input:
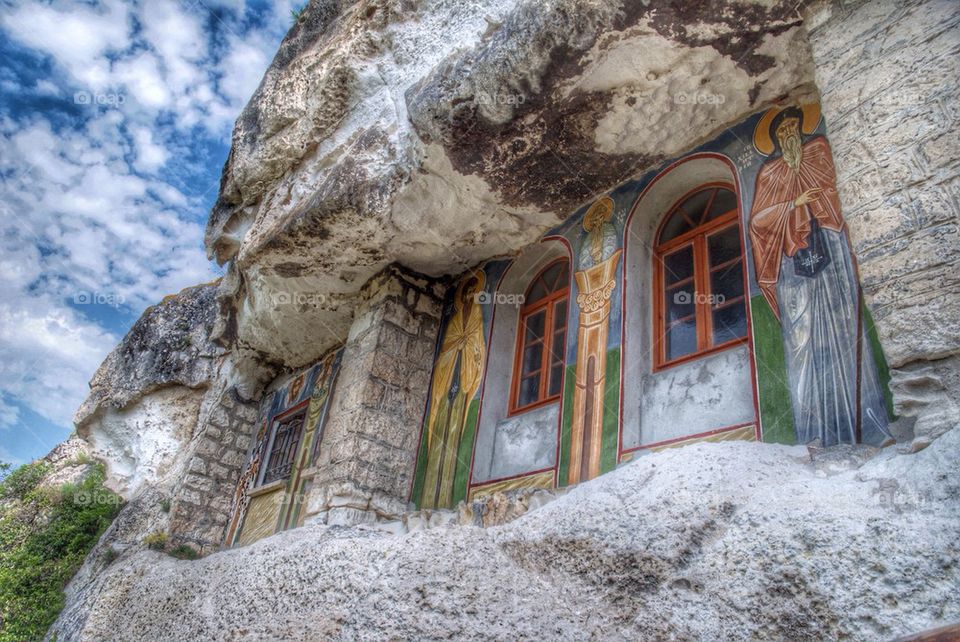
(456, 379)
(806, 272)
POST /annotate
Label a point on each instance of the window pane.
(534, 326)
(729, 323)
(724, 201)
(678, 303)
(284, 449)
(726, 283)
(536, 292)
(681, 339)
(724, 245)
(556, 380)
(532, 359)
(678, 265)
(560, 315)
(695, 206)
(529, 390)
(563, 278)
(674, 227)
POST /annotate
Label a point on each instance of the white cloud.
(94, 208)
(76, 35)
(150, 155)
(9, 415)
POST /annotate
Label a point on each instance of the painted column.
(595, 284)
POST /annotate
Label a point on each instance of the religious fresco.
(456, 382)
(807, 274)
(812, 368)
(597, 261)
(260, 508)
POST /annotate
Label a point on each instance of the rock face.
(441, 133)
(145, 398)
(885, 71)
(726, 541)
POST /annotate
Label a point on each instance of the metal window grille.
(284, 450)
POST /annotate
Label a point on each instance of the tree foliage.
(45, 534)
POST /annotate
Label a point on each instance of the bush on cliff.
(46, 532)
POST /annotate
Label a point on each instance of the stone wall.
(366, 461)
(887, 71)
(201, 501)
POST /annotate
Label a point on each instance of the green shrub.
(45, 534)
(184, 552)
(109, 555)
(19, 483)
(165, 504)
(157, 540)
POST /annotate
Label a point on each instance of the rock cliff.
(728, 541)
(439, 133)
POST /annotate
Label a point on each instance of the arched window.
(541, 333)
(698, 277)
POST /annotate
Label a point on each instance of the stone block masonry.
(887, 71)
(368, 454)
(201, 501)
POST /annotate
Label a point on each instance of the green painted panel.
(566, 424)
(461, 479)
(421, 466)
(611, 412)
(776, 410)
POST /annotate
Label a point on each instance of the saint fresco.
(806, 272)
(456, 380)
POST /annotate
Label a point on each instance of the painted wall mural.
(456, 381)
(806, 272)
(598, 260)
(808, 366)
(261, 504)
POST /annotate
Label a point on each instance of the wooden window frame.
(696, 238)
(549, 302)
(284, 417)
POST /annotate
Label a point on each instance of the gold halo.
(761, 135)
(605, 202)
(478, 274)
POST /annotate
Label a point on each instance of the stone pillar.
(887, 71)
(200, 506)
(366, 461)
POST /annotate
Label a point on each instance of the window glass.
(283, 451)
(701, 279)
(541, 345)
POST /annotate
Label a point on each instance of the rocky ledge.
(726, 541)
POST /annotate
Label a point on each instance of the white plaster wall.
(525, 442)
(655, 407)
(697, 396)
(499, 445)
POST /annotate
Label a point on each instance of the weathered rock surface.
(168, 345)
(726, 541)
(437, 134)
(145, 398)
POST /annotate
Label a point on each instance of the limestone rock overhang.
(438, 135)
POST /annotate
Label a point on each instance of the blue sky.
(115, 121)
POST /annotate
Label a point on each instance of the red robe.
(779, 227)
